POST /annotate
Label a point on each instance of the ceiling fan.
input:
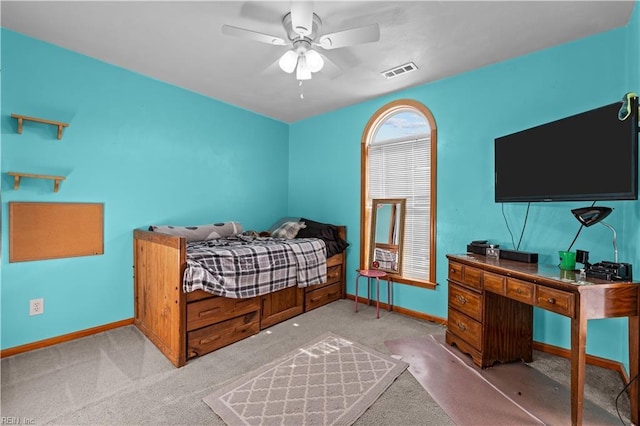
(302, 26)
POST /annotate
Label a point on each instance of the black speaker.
(519, 256)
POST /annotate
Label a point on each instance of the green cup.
(567, 260)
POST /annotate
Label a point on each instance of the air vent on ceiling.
(402, 69)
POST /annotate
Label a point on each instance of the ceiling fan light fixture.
(314, 60)
(302, 27)
(303, 72)
(288, 61)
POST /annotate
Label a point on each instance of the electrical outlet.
(36, 306)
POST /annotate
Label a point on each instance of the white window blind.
(401, 168)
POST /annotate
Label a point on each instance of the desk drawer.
(466, 275)
(455, 271)
(465, 301)
(520, 290)
(472, 277)
(557, 301)
(465, 328)
(494, 283)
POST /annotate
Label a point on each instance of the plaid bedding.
(240, 268)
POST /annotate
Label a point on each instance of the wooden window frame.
(379, 116)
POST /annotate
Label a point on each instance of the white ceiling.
(180, 42)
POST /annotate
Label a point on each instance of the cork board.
(54, 230)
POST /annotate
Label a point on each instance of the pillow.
(282, 221)
(326, 232)
(200, 232)
(288, 230)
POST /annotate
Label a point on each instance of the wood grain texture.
(184, 325)
(507, 321)
(39, 231)
(160, 305)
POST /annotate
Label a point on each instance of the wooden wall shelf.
(17, 176)
(21, 119)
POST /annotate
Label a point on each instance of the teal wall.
(154, 153)
(151, 152)
(471, 110)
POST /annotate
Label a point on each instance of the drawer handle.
(461, 299)
(209, 339)
(452, 270)
(243, 328)
(461, 326)
(519, 291)
(208, 312)
(315, 299)
(551, 300)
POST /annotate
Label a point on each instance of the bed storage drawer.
(334, 274)
(281, 305)
(316, 297)
(207, 339)
(335, 260)
(216, 309)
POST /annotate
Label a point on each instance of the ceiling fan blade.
(330, 68)
(302, 17)
(360, 35)
(252, 35)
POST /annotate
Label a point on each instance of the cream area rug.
(329, 381)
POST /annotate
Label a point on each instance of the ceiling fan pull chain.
(301, 89)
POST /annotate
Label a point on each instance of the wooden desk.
(491, 314)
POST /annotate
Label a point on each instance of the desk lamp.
(588, 216)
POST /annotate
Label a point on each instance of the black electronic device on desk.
(480, 247)
(610, 271)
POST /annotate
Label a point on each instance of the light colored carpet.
(120, 378)
(331, 380)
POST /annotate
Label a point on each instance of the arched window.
(399, 161)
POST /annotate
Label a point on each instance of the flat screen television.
(585, 157)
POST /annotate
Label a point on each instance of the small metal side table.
(377, 274)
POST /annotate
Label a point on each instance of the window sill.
(412, 281)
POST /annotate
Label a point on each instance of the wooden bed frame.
(187, 325)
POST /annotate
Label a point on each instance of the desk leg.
(634, 367)
(578, 358)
